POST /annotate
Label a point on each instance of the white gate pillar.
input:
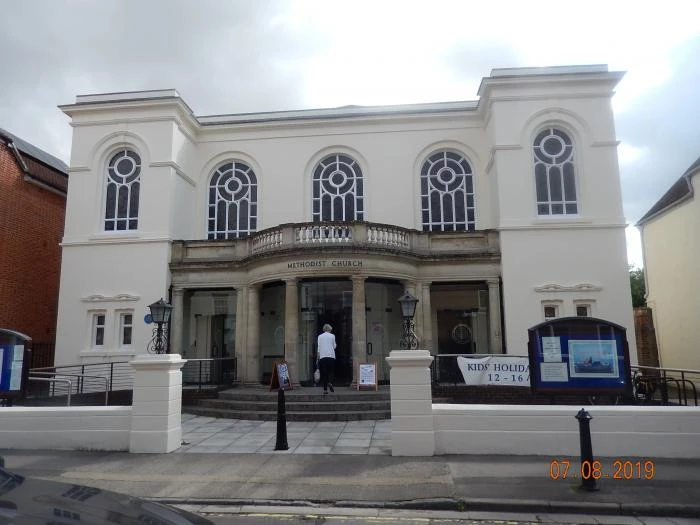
(412, 432)
(157, 404)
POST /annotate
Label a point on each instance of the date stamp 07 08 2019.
(618, 469)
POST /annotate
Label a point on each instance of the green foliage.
(638, 287)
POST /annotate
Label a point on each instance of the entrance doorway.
(321, 302)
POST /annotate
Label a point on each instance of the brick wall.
(31, 227)
(647, 351)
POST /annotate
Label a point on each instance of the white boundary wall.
(616, 431)
(152, 425)
(61, 428)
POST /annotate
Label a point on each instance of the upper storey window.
(338, 190)
(123, 185)
(555, 178)
(447, 193)
(233, 201)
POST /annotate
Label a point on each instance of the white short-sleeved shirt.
(326, 345)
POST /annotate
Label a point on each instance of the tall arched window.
(123, 185)
(233, 201)
(338, 189)
(555, 178)
(447, 193)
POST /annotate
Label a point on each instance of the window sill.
(560, 219)
(132, 234)
(124, 352)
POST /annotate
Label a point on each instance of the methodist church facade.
(260, 228)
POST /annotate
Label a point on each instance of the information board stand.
(579, 355)
(14, 365)
(280, 376)
(367, 376)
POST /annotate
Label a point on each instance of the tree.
(638, 287)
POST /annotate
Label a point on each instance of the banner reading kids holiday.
(495, 370)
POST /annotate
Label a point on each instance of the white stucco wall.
(179, 153)
(110, 276)
(671, 247)
(567, 259)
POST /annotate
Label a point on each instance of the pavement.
(232, 464)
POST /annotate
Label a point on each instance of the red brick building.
(33, 187)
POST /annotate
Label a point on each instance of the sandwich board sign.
(367, 376)
(280, 376)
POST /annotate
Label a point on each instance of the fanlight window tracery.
(447, 193)
(337, 189)
(123, 186)
(233, 202)
(555, 178)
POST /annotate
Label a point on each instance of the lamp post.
(408, 303)
(160, 313)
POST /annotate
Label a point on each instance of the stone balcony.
(352, 236)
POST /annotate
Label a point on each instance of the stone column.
(495, 343)
(157, 403)
(177, 322)
(291, 329)
(427, 342)
(412, 431)
(359, 324)
(241, 332)
(252, 364)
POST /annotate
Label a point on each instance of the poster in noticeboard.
(579, 355)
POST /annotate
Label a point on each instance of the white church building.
(259, 228)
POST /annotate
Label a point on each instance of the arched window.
(233, 201)
(338, 190)
(555, 179)
(123, 185)
(447, 193)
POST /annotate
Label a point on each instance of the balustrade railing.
(388, 236)
(267, 240)
(312, 234)
(323, 233)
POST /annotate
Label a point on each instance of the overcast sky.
(242, 56)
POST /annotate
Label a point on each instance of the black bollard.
(588, 481)
(281, 422)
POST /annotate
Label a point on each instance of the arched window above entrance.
(233, 201)
(447, 193)
(338, 189)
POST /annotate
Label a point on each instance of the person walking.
(325, 357)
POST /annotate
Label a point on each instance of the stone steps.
(306, 404)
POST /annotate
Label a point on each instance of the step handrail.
(54, 380)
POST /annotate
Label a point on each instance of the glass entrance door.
(324, 302)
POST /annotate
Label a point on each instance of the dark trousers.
(327, 368)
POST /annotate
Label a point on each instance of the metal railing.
(91, 381)
(80, 382)
(53, 382)
(209, 373)
(665, 386)
(444, 368)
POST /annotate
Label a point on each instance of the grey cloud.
(666, 123)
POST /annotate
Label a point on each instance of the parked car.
(31, 501)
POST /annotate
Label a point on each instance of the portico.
(297, 277)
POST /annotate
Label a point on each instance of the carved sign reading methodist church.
(336, 263)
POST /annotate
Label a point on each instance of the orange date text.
(609, 469)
